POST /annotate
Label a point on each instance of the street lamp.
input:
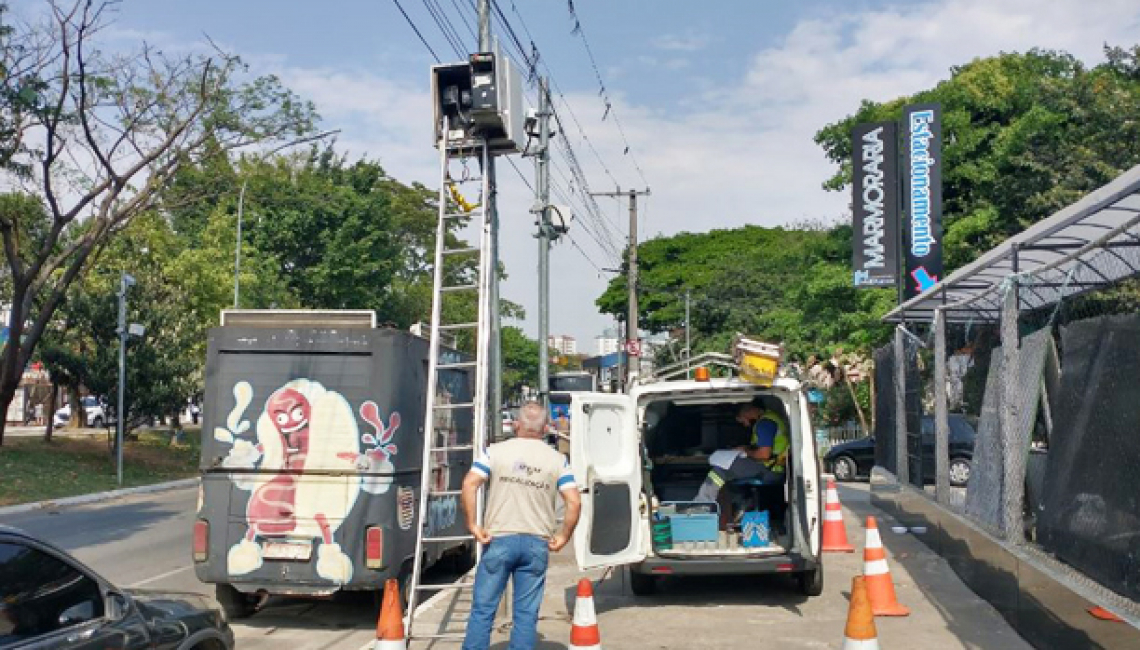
(126, 281)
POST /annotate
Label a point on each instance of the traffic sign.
(633, 348)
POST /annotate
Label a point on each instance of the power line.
(416, 30)
(445, 27)
(604, 93)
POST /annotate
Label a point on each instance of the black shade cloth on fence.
(1091, 512)
(885, 407)
(916, 471)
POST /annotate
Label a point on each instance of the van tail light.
(374, 547)
(201, 540)
(785, 567)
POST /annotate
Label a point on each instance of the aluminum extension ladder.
(452, 209)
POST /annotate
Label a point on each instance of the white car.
(95, 415)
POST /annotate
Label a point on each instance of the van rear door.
(808, 492)
(605, 455)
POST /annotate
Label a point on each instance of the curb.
(98, 496)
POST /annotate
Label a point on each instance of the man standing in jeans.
(525, 477)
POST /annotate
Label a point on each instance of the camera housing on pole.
(481, 99)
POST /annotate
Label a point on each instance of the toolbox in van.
(692, 521)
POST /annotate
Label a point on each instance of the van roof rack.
(674, 370)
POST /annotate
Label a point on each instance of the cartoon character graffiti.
(303, 427)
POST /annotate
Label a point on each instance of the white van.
(635, 456)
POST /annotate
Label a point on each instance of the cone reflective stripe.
(834, 532)
(880, 589)
(584, 635)
(390, 624)
(860, 633)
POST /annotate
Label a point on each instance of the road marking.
(159, 577)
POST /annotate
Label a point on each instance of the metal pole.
(1012, 493)
(496, 387)
(237, 249)
(119, 419)
(545, 235)
(902, 471)
(941, 412)
(485, 25)
(688, 339)
(631, 318)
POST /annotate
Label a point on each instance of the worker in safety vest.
(769, 435)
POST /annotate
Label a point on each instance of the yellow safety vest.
(779, 445)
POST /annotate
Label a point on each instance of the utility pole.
(546, 235)
(125, 282)
(631, 327)
(496, 360)
(237, 249)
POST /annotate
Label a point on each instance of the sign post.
(875, 204)
(922, 134)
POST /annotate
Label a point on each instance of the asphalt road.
(143, 542)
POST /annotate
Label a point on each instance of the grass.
(32, 470)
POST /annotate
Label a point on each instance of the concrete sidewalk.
(741, 611)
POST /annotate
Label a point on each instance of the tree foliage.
(789, 285)
(1025, 134)
(95, 137)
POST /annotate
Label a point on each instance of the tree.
(96, 137)
(784, 285)
(520, 361)
(1025, 134)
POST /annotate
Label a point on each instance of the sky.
(718, 100)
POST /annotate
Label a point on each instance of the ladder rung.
(459, 287)
(444, 636)
(460, 251)
(458, 326)
(457, 364)
(460, 215)
(454, 448)
(454, 406)
(450, 585)
(449, 538)
(443, 493)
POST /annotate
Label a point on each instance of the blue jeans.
(526, 558)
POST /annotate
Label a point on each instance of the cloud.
(682, 43)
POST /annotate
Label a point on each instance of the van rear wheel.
(811, 582)
(642, 584)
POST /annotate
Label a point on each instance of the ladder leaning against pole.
(450, 212)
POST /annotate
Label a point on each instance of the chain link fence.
(1029, 394)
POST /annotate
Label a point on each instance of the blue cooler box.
(694, 526)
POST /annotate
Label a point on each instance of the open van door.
(605, 455)
(808, 496)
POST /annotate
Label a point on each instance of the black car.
(851, 460)
(48, 599)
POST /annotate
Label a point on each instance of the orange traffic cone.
(584, 634)
(880, 589)
(834, 531)
(390, 624)
(860, 633)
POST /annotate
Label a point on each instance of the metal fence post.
(902, 471)
(941, 413)
(1013, 490)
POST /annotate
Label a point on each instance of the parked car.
(509, 417)
(852, 460)
(96, 417)
(48, 599)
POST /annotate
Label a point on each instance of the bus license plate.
(287, 551)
